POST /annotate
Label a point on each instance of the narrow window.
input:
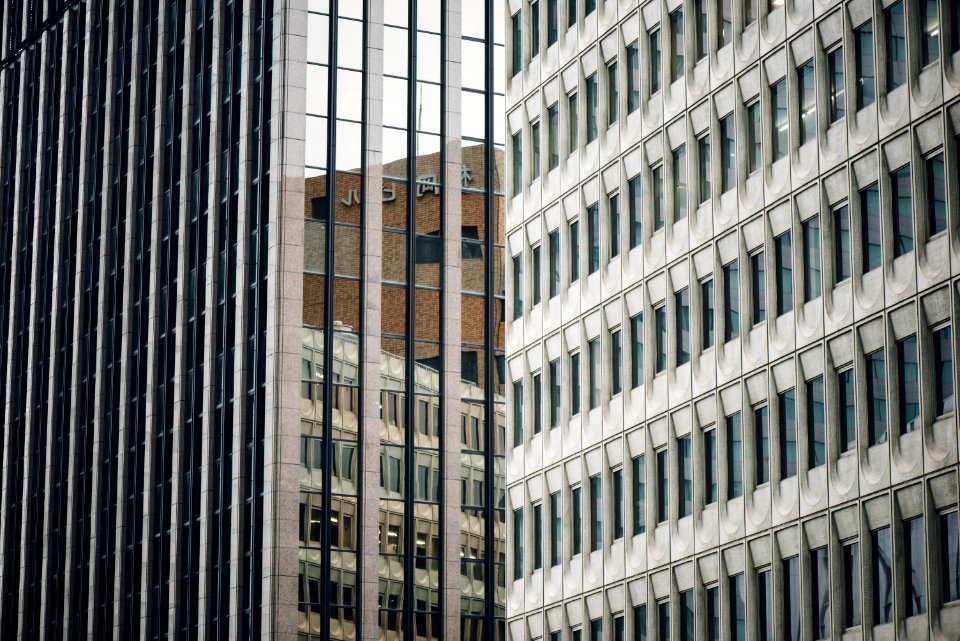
(613, 94)
(536, 276)
(943, 370)
(738, 609)
(574, 251)
(783, 247)
(896, 45)
(613, 207)
(553, 135)
(616, 364)
(684, 451)
(914, 566)
(731, 300)
(517, 286)
(537, 403)
(791, 599)
(908, 373)
(575, 384)
(749, 12)
(764, 606)
(596, 514)
(535, 140)
(658, 197)
(660, 330)
(710, 466)
(537, 537)
(734, 456)
(866, 69)
(838, 94)
(936, 192)
(841, 244)
(518, 412)
(876, 397)
(553, 240)
(725, 8)
(820, 592)
(640, 623)
(636, 354)
(778, 103)
(571, 13)
(589, 7)
(812, 281)
(617, 504)
(663, 486)
(618, 629)
(516, 22)
(870, 227)
(728, 155)
(639, 496)
(930, 24)
(676, 26)
(576, 509)
(703, 32)
(713, 613)
(851, 587)
(552, 30)
(754, 154)
(593, 233)
(882, 576)
(816, 424)
(902, 211)
(787, 418)
(703, 158)
(688, 624)
(758, 282)
(555, 393)
(556, 528)
(663, 620)
(949, 557)
(682, 299)
(679, 183)
(707, 311)
(761, 431)
(518, 544)
(517, 163)
(655, 61)
(846, 393)
(572, 124)
(806, 85)
(593, 349)
(593, 92)
(534, 29)
(636, 213)
(633, 77)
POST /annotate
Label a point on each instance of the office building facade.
(251, 319)
(732, 300)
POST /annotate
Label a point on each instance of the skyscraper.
(731, 308)
(251, 319)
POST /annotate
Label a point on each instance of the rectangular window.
(713, 613)
(616, 363)
(613, 207)
(636, 213)
(574, 384)
(633, 77)
(791, 599)
(841, 244)
(537, 403)
(682, 299)
(728, 155)
(724, 22)
(679, 183)
(663, 620)
(535, 140)
(516, 22)
(518, 544)
(688, 623)
(812, 282)
(658, 196)
(758, 281)
(640, 623)
(816, 424)
(536, 276)
(846, 392)
(574, 251)
(537, 537)
(663, 486)
(754, 153)
(807, 88)
(908, 374)
(636, 354)
(896, 45)
(596, 630)
(613, 93)
(936, 192)
(534, 29)
(593, 92)
(596, 514)
(764, 606)
(676, 27)
(593, 349)
(734, 456)
(703, 159)
(851, 587)
(553, 134)
(731, 300)
(902, 211)
(685, 454)
(778, 104)
(593, 234)
(783, 246)
(576, 509)
(915, 566)
(876, 396)
(639, 496)
(556, 529)
(553, 240)
(882, 564)
(572, 124)
(517, 286)
(589, 7)
(552, 22)
(761, 431)
(838, 94)
(866, 68)
(710, 466)
(618, 629)
(655, 55)
(571, 13)
(787, 410)
(943, 370)
(707, 311)
(660, 331)
(517, 163)
(930, 25)
(949, 558)
(870, 227)
(518, 412)
(555, 393)
(738, 609)
(617, 504)
(820, 592)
